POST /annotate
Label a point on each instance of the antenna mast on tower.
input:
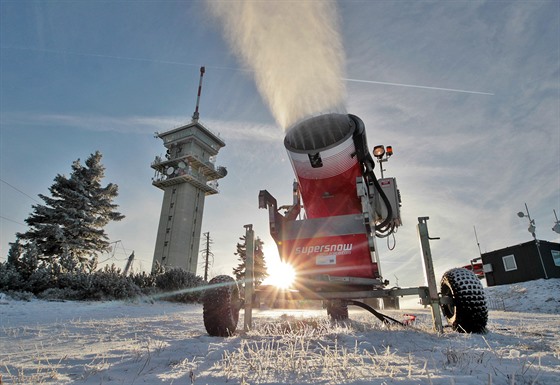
(196, 115)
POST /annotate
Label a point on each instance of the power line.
(180, 63)
(112, 256)
(11, 220)
(18, 190)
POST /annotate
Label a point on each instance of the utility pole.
(129, 263)
(207, 255)
(477, 243)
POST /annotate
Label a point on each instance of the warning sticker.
(325, 260)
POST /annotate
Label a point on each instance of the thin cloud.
(247, 131)
(128, 124)
(144, 125)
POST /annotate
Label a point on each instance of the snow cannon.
(328, 235)
(344, 204)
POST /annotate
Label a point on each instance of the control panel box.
(389, 187)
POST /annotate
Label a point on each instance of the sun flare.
(282, 275)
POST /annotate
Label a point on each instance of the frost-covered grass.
(165, 343)
(312, 349)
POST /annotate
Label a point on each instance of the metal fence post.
(429, 272)
(249, 276)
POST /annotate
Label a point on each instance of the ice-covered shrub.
(110, 283)
(54, 281)
(180, 285)
(19, 295)
(79, 282)
(10, 278)
(55, 293)
(41, 280)
(146, 282)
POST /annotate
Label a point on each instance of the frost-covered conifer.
(71, 222)
(15, 252)
(29, 261)
(260, 264)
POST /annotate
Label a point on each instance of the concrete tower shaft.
(186, 174)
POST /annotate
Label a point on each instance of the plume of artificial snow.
(294, 49)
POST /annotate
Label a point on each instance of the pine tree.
(29, 261)
(260, 270)
(15, 252)
(71, 222)
(23, 258)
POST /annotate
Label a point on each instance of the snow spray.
(294, 49)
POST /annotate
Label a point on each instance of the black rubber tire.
(221, 305)
(468, 311)
(337, 310)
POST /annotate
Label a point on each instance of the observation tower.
(186, 175)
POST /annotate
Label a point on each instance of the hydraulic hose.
(386, 225)
(368, 164)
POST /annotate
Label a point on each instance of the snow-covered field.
(165, 343)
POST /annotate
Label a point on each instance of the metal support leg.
(249, 276)
(429, 272)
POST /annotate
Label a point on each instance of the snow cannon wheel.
(337, 310)
(221, 305)
(467, 312)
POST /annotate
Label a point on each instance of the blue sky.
(76, 77)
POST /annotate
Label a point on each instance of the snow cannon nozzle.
(328, 152)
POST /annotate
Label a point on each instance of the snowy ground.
(164, 343)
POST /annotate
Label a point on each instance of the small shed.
(525, 262)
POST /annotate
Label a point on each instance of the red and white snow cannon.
(328, 235)
(331, 245)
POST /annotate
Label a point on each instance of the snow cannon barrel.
(327, 153)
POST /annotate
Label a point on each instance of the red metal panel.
(340, 256)
(331, 196)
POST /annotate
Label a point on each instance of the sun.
(281, 275)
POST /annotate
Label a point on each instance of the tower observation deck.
(186, 175)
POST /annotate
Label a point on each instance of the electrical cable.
(394, 240)
(382, 317)
(18, 190)
(11, 220)
(387, 226)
